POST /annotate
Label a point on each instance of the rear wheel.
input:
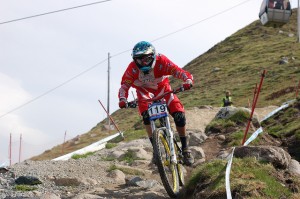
(168, 171)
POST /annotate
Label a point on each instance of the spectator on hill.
(227, 100)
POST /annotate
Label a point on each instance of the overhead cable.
(212, 16)
(51, 90)
(186, 27)
(47, 13)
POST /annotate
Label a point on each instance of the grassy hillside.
(235, 64)
(240, 59)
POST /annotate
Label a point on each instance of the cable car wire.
(196, 23)
(117, 54)
(47, 13)
(186, 27)
(51, 90)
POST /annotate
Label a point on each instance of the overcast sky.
(53, 68)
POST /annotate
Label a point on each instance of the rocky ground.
(93, 177)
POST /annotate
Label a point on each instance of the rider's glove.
(123, 103)
(188, 84)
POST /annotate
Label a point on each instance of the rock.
(116, 154)
(195, 139)
(275, 155)
(227, 112)
(133, 181)
(147, 183)
(223, 154)
(197, 152)
(216, 69)
(140, 153)
(117, 175)
(294, 167)
(27, 180)
(284, 60)
(221, 137)
(3, 170)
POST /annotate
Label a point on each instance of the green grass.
(78, 156)
(236, 138)
(108, 158)
(228, 125)
(256, 176)
(110, 145)
(129, 157)
(207, 172)
(284, 124)
(135, 134)
(24, 188)
(249, 178)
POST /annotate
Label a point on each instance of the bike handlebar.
(134, 103)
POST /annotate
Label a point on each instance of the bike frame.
(167, 128)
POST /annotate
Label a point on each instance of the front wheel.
(168, 171)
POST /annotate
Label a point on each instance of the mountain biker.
(148, 74)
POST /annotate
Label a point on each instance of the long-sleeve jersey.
(155, 80)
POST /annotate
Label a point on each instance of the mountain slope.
(235, 64)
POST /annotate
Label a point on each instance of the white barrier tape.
(285, 105)
(250, 139)
(253, 136)
(91, 148)
(227, 175)
(4, 164)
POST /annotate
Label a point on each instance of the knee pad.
(179, 119)
(146, 117)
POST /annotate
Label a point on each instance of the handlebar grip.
(132, 104)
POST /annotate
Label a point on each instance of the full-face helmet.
(144, 55)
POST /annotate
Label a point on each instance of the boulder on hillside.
(196, 138)
(278, 157)
(231, 119)
(230, 111)
(294, 167)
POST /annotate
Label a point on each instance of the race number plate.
(157, 110)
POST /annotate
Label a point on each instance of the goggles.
(144, 60)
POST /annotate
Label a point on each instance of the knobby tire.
(168, 171)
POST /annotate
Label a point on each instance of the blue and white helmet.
(144, 56)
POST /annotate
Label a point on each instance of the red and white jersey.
(153, 82)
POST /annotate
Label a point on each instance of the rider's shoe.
(188, 158)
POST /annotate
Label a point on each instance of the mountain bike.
(167, 153)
